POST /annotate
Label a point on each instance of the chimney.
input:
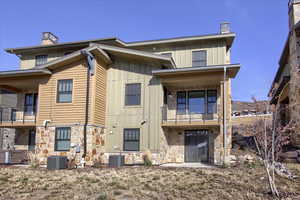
(294, 13)
(225, 28)
(49, 38)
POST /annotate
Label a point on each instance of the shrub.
(147, 158)
(33, 159)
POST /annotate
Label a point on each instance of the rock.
(233, 159)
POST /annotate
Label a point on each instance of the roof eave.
(234, 68)
(229, 37)
(29, 72)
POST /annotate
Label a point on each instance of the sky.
(261, 27)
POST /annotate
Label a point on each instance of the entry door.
(196, 146)
(31, 142)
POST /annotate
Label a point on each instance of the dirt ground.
(246, 181)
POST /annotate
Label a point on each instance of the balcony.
(13, 118)
(170, 118)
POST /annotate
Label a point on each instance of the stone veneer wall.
(7, 137)
(173, 146)
(294, 61)
(45, 139)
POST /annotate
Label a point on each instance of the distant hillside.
(242, 106)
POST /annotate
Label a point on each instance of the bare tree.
(270, 138)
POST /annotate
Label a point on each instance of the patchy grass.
(239, 182)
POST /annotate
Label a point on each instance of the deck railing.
(16, 116)
(174, 117)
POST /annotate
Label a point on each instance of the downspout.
(224, 115)
(90, 70)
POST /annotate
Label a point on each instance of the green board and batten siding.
(119, 116)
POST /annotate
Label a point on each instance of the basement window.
(41, 59)
(64, 91)
(131, 139)
(62, 139)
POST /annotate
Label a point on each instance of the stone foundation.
(7, 137)
(173, 146)
(134, 158)
(45, 141)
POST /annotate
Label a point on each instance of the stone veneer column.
(294, 61)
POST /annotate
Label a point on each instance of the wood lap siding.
(64, 113)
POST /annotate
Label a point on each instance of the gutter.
(90, 71)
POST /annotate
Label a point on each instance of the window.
(13, 116)
(197, 102)
(30, 103)
(199, 58)
(133, 94)
(181, 102)
(64, 91)
(211, 101)
(132, 139)
(167, 54)
(40, 60)
(62, 139)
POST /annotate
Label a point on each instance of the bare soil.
(245, 181)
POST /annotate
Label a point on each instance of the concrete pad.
(188, 165)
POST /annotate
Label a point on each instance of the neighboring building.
(102, 97)
(285, 90)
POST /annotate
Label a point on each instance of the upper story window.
(211, 101)
(13, 115)
(167, 54)
(62, 139)
(64, 91)
(133, 94)
(199, 58)
(131, 139)
(30, 103)
(181, 102)
(41, 59)
(197, 102)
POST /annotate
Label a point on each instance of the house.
(94, 98)
(285, 89)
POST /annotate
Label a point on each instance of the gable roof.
(105, 52)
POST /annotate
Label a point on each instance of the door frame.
(185, 145)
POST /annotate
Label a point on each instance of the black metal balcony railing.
(169, 115)
(12, 115)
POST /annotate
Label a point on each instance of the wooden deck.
(17, 124)
(200, 123)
